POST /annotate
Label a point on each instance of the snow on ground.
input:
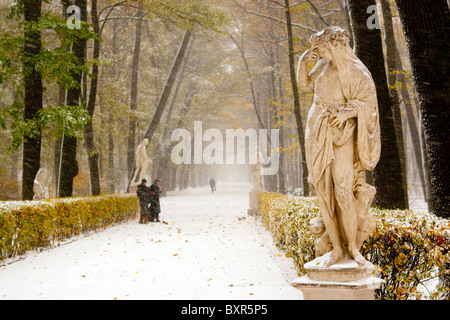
(206, 248)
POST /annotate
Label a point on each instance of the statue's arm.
(307, 79)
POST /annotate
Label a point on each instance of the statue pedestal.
(342, 281)
(132, 189)
(253, 203)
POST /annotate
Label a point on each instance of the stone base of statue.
(133, 186)
(253, 203)
(132, 189)
(342, 281)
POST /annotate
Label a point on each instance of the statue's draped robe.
(359, 91)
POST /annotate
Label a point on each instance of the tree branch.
(112, 7)
(279, 20)
(317, 12)
(278, 3)
(126, 18)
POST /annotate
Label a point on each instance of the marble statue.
(256, 174)
(322, 242)
(39, 188)
(142, 161)
(342, 140)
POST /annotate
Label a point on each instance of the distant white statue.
(39, 188)
(256, 174)
(142, 162)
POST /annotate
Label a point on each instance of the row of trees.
(65, 61)
(140, 69)
(428, 53)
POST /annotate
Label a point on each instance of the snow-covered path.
(207, 248)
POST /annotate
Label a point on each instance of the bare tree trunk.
(69, 164)
(426, 25)
(33, 96)
(344, 8)
(133, 96)
(282, 169)
(61, 100)
(168, 87)
(426, 165)
(391, 66)
(93, 156)
(400, 77)
(58, 142)
(387, 176)
(163, 167)
(111, 163)
(297, 113)
(250, 81)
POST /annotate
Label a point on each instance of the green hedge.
(27, 225)
(408, 249)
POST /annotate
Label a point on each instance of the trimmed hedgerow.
(27, 225)
(409, 249)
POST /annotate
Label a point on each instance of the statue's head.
(329, 37)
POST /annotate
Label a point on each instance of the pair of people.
(149, 201)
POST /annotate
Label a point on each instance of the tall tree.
(33, 94)
(166, 91)
(163, 167)
(396, 75)
(240, 44)
(61, 100)
(168, 86)
(278, 97)
(426, 24)
(92, 152)
(134, 92)
(297, 113)
(391, 67)
(69, 163)
(387, 176)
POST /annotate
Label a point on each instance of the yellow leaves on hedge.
(406, 247)
(288, 219)
(27, 225)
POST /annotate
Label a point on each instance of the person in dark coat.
(143, 193)
(212, 183)
(155, 208)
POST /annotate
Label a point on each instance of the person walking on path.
(155, 208)
(143, 193)
(212, 183)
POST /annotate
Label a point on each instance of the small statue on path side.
(322, 242)
(142, 162)
(256, 173)
(39, 188)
